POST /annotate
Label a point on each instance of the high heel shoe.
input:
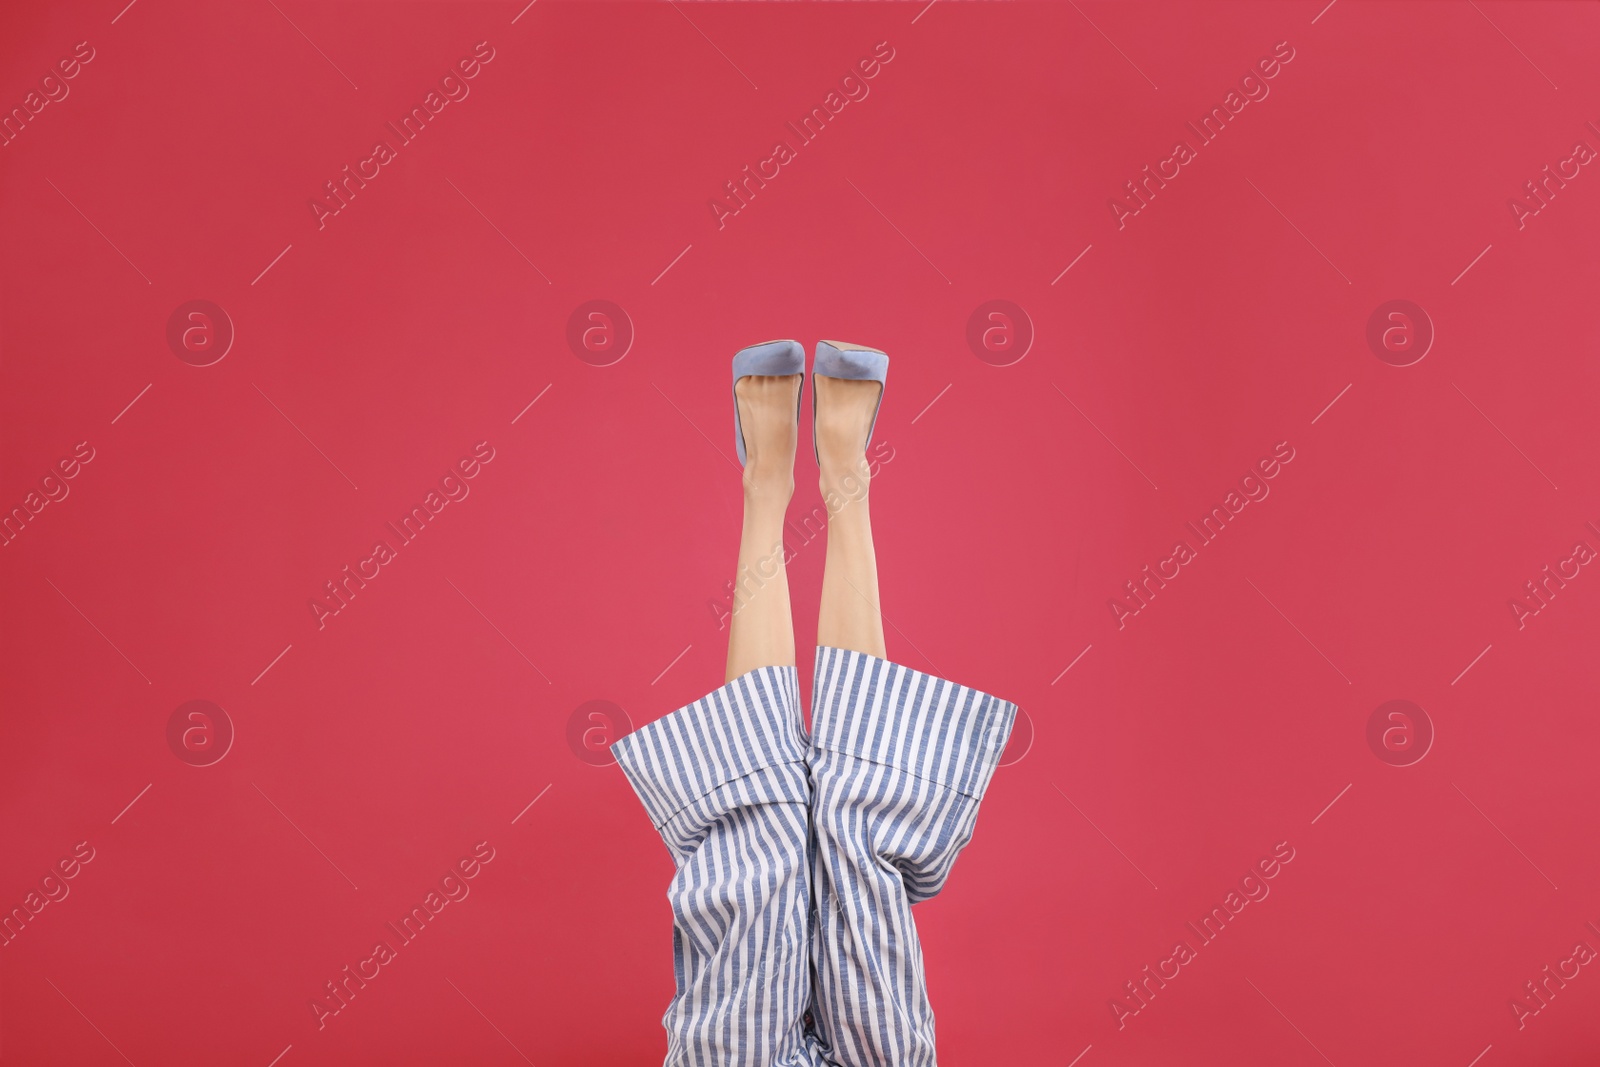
(839, 359)
(777, 358)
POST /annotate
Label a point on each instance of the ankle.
(768, 486)
(844, 483)
(841, 451)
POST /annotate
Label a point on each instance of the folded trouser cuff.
(875, 710)
(736, 732)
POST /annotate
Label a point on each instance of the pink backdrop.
(228, 459)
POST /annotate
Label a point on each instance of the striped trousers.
(798, 858)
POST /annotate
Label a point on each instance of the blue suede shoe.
(776, 358)
(838, 359)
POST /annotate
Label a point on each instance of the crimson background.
(1143, 782)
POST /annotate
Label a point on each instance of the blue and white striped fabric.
(899, 763)
(725, 782)
(866, 816)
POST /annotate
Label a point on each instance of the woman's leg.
(761, 633)
(850, 617)
(899, 763)
(725, 782)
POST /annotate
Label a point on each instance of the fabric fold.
(888, 713)
(748, 725)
